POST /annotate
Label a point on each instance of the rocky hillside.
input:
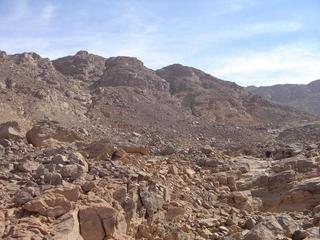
(302, 97)
(103, 94)
(95, 148)
(87, 88)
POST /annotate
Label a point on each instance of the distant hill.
(302, 97)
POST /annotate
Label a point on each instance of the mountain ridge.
(300, 96)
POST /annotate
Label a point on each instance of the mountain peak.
(82, 52)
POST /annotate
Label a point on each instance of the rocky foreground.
(56, 184)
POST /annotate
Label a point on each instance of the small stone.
(224, 229)
(250, 223)
(190, 172)
(88, 186)
(173, 170)
(208, 222)
(53, 178)
(22, 197)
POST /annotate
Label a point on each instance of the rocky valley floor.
(56, 185)
(95, 148)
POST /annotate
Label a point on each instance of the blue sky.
(251, 42)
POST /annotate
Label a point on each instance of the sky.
(250, 42)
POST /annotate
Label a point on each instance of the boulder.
(100, 150)
(168, 149)
(209, 162)
(72, 171)
(52, 178)
(208, 222)
(27, 166)
(59, 159)
(22, 197)
(72, 193)
(67, 227)
(50, 204)
(136, 149)
(78, 158)
(190, 172)
(46, 130)
(53, 203)
(5, 143)
(286, 152)
(207, 149)
(10, 130)
(303, 195)
(88, 186)
(311, 185)
(300, 235)
(298, 163)
(260, 232)
(267, 229)
(281, 179)
(152, 197)
(244, 200)
(173, 170)
(288, 224)
(250, 223)
(101, 221)
(91, 227)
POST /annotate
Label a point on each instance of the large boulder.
(298, 163)
(281, 179)
(268, 229)
(53, 203)
(50, 130)
(260, 232)
(67, 227)
(101, 221)
(304, 195)
(244, 200)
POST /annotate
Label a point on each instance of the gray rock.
(53, 178)
(22, 197)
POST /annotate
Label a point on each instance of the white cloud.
(283, 64)
(48, 12)
(242, 31)
(272, 27)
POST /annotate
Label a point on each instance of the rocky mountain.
(95, 148)
(303, 97)
(120, 92)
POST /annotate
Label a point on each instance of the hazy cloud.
(284, 64)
